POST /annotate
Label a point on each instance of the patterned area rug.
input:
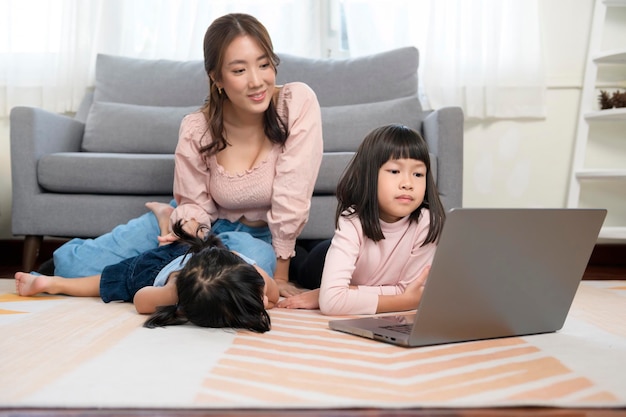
(58, 351)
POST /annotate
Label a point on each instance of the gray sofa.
(80, 176)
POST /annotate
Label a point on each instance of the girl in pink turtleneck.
(388, 220)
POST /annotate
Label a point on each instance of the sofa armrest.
(33, 133)
(443, 131)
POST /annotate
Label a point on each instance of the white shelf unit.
(589, 113)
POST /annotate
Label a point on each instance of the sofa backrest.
(138, 104)
(337, 82)
(359, 94)
(368, 79)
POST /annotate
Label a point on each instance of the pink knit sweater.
(278, 190)
(378, 268)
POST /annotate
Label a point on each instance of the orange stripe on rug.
(280, 381)
(555, 390)
(601, 307)
(489, 380)
(2, 311)
(600, 398)
(404, 367)
(90, 327)
(12, 298)
(259, 390)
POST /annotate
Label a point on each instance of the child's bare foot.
(28, 284)
(162, 212)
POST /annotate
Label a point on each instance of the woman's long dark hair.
(216, 288)
(218, 36)
(357, 190)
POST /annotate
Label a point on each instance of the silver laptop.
(496, 273)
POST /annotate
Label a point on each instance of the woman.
(246, 163)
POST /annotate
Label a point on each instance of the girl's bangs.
(407, 147)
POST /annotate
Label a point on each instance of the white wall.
(507, 163)
(527, 163)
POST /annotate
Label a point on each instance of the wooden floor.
(479, 412)
(594, 271)
(605, 264)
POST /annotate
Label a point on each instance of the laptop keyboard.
(401, 328)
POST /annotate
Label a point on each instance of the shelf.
(604, 70)
(607, 115)
(616, 56)
(601, 174)
(618, 233)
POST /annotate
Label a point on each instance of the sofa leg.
(32, 244)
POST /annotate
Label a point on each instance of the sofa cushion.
(345, 127)
(133, 80)
(106, 173)
(332, 167)
(377, 77)
(116, 127)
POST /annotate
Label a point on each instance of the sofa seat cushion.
(106, 173)
(129, 128)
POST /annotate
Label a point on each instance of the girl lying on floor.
(215, 288)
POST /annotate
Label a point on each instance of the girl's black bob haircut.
(357, 191)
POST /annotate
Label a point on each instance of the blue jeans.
(253, 242)
(120, 282)
(236, 236)
(86, 257)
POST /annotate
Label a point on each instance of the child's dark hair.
(216, 288)
(357, 191)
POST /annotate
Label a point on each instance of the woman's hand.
(167, 239)
(189, 226)
(287, 289)
(308, 300)
(281, 277)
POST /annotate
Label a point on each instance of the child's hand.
(307, 300)
(415, 289)
(408, 300)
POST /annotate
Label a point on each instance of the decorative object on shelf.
(617, 99)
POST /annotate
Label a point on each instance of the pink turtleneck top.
(378, 268)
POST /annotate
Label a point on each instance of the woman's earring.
(219, 90)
